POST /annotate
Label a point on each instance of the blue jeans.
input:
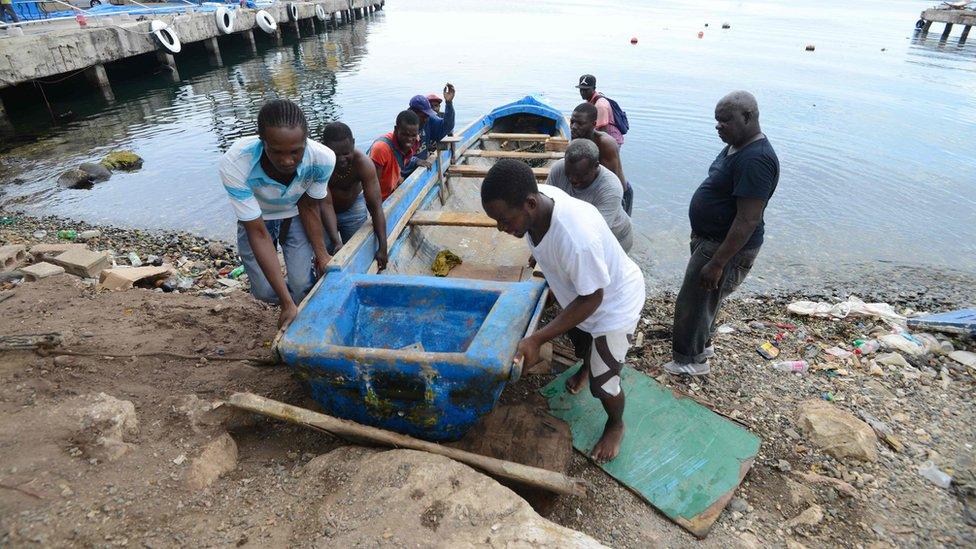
(299, 260)
(349, 222)
(628, 201)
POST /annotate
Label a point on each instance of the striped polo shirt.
(253, 194)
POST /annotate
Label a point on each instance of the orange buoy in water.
(633, 40)
(701, 34)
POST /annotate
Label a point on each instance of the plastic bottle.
(134, 259)
(866, 346)
(791, 366)
(67, 234)
(934, 475)
(236, 272)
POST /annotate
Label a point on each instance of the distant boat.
(409, 351)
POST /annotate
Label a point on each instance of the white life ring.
(166, 36)
(266, 22)
(293, 11)
(320, 12)
(225, 20)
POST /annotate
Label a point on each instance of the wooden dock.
(51, 48)
(949, 16)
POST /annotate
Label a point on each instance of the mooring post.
(96, 75)
(169, 62)
(251, 42)
(926, 27)
(5, 124)
(965, 34)
(279, 36)
(332, 20)
(945, 33)
(213, 51)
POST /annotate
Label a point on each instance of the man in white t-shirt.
(276, 182)
(600, 290)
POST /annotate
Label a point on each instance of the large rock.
(219, 456)
(75, 178)
(96, 172)
(105, 425)
(405, 498)
(837, 432)
(122, 160)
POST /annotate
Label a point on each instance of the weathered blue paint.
(355, 346)
(354, 343)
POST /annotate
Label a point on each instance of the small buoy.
(225, 20)
(320, 12)
(811, 47)
(293, 12)
(706, 24)
(726, 26)
(633, 40)
(166, 36)
(266, 22)
(920, 24)
(701, 34)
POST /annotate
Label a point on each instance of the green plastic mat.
(681, 457)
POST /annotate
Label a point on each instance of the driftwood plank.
(524, 474)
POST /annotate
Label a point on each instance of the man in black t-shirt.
(727, 229)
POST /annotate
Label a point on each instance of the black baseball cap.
(587, 81)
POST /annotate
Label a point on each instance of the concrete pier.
(96, 75)
(213, 52)
(57, 47)
(966, 18)
(168, 61)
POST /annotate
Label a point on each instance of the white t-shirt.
(579, 255)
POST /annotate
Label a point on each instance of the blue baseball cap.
(422, 104)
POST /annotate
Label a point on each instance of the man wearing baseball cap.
(433, 128)
(604, 119)
(435, 103)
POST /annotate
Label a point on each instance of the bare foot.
(608, 446)
(575, 383)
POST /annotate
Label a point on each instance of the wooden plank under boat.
(411, 352)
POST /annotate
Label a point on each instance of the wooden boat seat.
(449, 218)
(467, 170)
(516, 154)
(517, 136)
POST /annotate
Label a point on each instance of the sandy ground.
(53, 492)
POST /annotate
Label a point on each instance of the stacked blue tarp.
(132, 9)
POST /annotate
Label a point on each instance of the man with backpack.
(611, 120)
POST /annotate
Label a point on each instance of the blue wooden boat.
(415, 353)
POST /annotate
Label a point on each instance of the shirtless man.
(582, 124)
(353, 189)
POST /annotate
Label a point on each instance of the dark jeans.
(629, 199)
(8, 10)
(696, 308)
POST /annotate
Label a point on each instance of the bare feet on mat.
(575, 383)
(608, 446)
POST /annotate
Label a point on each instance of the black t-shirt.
(753, 172)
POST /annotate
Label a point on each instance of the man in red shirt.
(604, 117)
(391, 152)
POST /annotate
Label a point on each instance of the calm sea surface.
(875, 130)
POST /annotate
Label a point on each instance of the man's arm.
(609, 198)
(267, 256)
(749, 212)
(577, 311)
(374, 203)
(448, 126)
(311, 217)
(330, 221)
(610, 158)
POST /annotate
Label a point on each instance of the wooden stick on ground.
(533, 476)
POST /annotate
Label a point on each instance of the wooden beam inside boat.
(447, 218)
(466, 170)
(515, 154)
(518, 136)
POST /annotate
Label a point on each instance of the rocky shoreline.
(860, 450)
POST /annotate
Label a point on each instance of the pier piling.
(96, 75)
(169, 62)
(965, 34)
(251, 42)
(213, 52)
(966, 18)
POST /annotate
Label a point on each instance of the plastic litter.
(904, 343)
(865, 346)
(792, 366)
(966, 358)
(725, 329)
(892, 359)
(935, 475)
(68, 234)
(237, 272)
(134, 259)
(838, 352)
(853, 306)
(768, 351)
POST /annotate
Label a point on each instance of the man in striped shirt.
(272, 179)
